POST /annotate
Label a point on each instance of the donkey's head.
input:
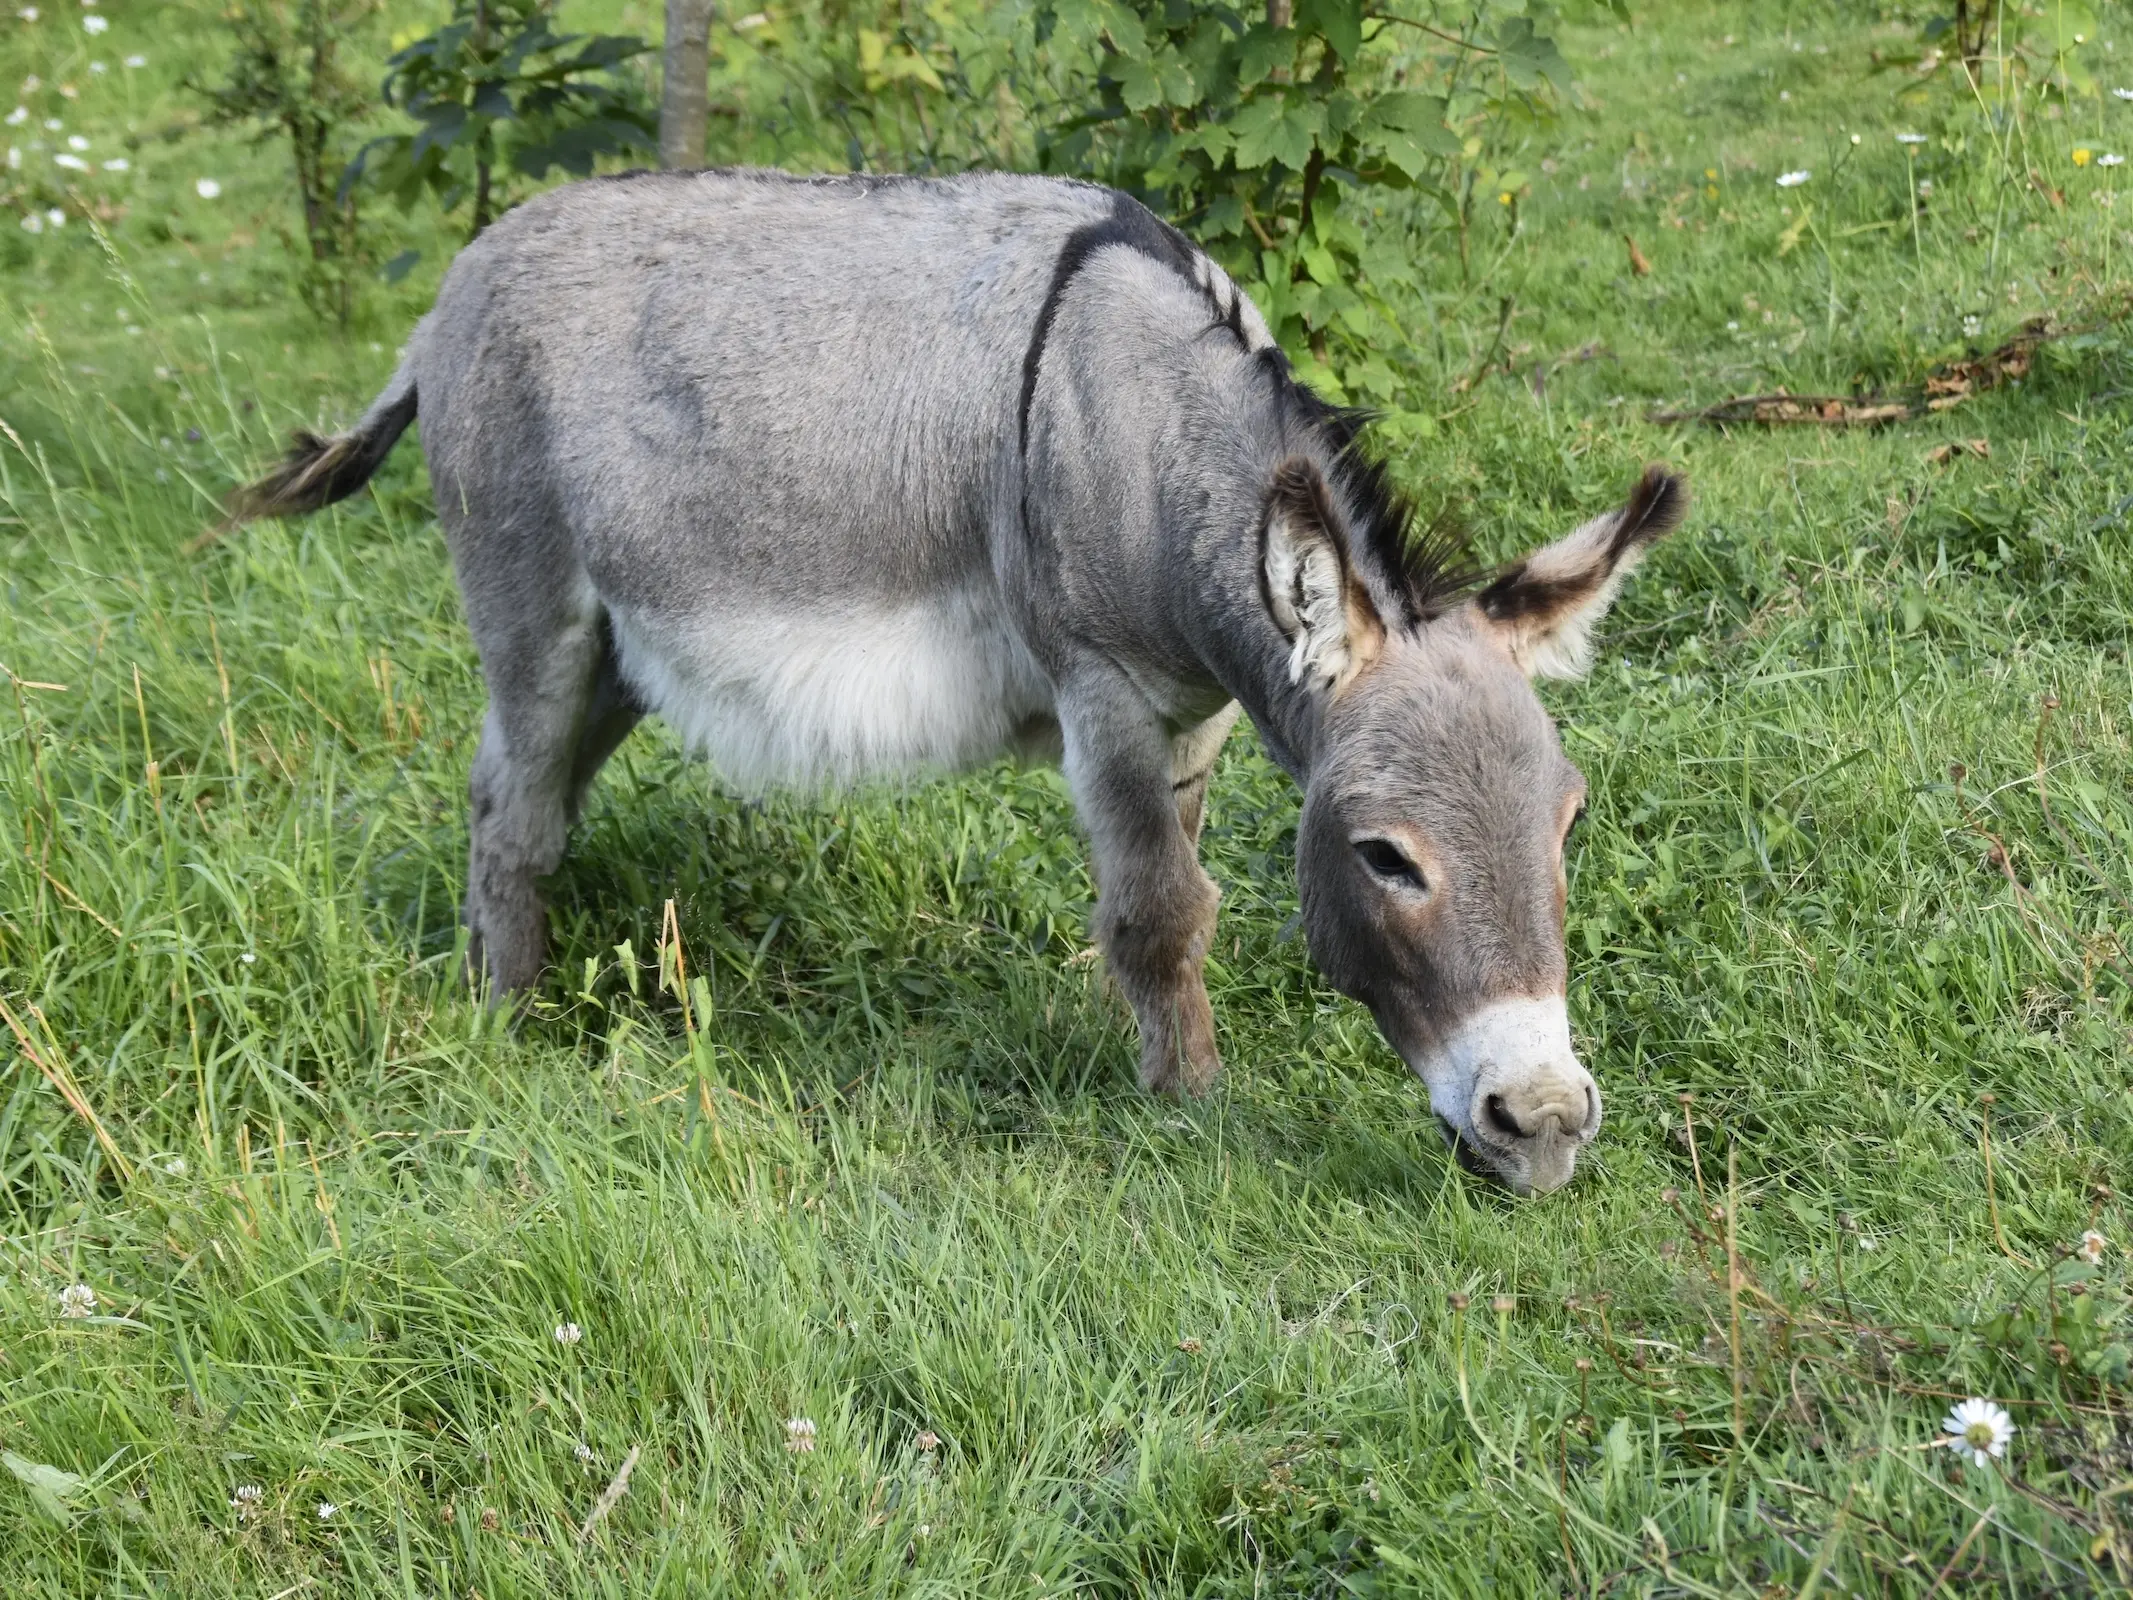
(1430, 853)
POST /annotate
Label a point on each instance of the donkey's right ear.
(1310, 586)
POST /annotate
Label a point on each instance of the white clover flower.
(71, 163)
(1925, 188)
(1792, 180)
(207, 188)
(326, 1509)
(568, 1333)
(175, 1166)
(76, 142)
(1855, 138)
(2091, 1247)
(93, 25)
(799, 1435)
(1910, 138)
(136, 61)
(2123, 94)
(2110, 159)
(53, 124)
(118, 164)
(1869, 1242)
(98, 68)
(583, 1451)
(14, 158)
(29, 14)
(17, 117)
(55, 217)
(33, 223)
(247, 958)
(1973, 325)
(245, 1502)
(1979, 1429)
(76, 1299)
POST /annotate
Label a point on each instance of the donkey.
(857, 476)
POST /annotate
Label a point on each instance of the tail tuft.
(316, 472)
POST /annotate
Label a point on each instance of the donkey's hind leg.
(556, 711)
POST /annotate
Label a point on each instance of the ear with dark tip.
(1545, 608)
(1309, 583)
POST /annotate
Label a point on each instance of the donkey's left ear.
(1546, 607)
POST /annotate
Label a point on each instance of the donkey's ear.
(1546, 607)
(1310, 585)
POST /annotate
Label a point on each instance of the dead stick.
(1961, 1550)
(1992, 1203)
(613, 1495)
(1733, 1282)
(1688, 1124)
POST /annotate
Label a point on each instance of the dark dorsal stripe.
(1137, 228)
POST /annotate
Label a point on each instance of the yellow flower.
(1711, 173)
(2081, 156)
(1504, 199)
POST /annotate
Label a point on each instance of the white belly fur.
(816, 699)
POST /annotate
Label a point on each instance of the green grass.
(887, 1169)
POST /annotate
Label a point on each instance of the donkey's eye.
(1577, 821)
(1385, 861)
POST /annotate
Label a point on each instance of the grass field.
(1855, 878)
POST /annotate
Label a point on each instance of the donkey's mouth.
(1464, 1152)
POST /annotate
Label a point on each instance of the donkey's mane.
(1428, 571)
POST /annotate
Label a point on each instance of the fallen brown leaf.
(1941, 455)
(1637, 263)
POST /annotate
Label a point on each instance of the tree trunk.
(684, 105)
(1279, 13)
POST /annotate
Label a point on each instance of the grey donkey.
(857, 476)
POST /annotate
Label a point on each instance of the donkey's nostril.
(1500, 1117)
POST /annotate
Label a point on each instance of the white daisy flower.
(1910, 138)
(2123, 94)
(14, 158)
(94, 24)
(118, 164)
(2109, 159)
(71, 163)
(799, 1435)
(76, 1299)
(98, 67)
(1979, 1429)
(76, 142)
(1792, 180)
(2091, 1247)
(17, 117)
(245, 1502)
(136, 61)
(326, 1509)
(53, 124)
(207, 188)
(568, 1333)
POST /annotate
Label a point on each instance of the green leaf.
(50, 1488)
(1270, 129)
(1262, 51)
(1338, 22)
(1529, 57)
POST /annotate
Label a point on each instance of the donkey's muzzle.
(1507, 1085)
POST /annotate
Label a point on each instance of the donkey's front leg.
(1155, 908)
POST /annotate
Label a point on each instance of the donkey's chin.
(1509, 1093)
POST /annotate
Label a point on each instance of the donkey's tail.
(316, 472)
